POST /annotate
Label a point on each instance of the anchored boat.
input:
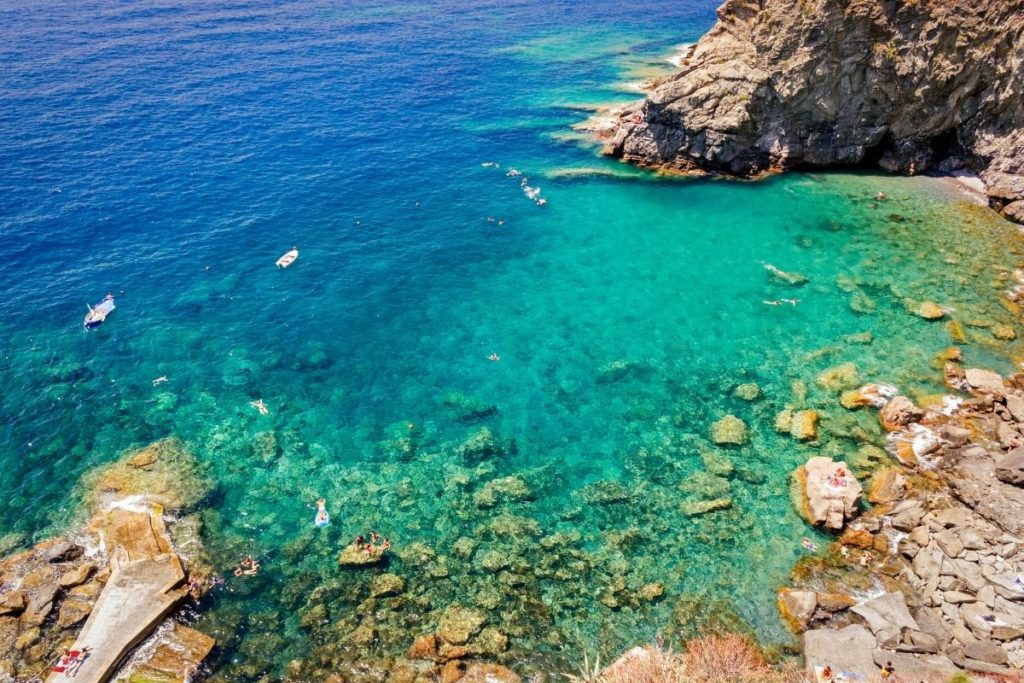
(98, 313)
(288, 258)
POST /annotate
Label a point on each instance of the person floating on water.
(260, 406)
(880, 197)
(160, 380)
(322, 518)
(247, 567)
(494, 357)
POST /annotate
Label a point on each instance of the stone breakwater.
(906, 86)
(931, 578)
(111, 585)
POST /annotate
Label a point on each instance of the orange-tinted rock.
(835, 602)
(490, 673)
(898, 413)
(887, 485)
(176, 657)
(956, 332)
(424, 647)
(797, 607)
(453, 671)
(859, 538)
(448, 652)
(805, 425)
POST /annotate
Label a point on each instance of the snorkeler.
(260, 406)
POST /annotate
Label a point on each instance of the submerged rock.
(804, 425)
(747, 392)
(357, 556)
(702, 507)
(730, 430)
(459, 624)
(841, 377)
(929, 310)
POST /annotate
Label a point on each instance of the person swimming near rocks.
(322, 518)
(880, 197)
(247, 567)
(260, 406)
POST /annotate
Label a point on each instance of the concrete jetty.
(146, 583)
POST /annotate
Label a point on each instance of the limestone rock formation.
(831, 494)
(907, 86)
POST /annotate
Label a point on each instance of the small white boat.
(98, 313)
(288, 258)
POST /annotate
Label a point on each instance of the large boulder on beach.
(899, 412)
(843, 650)
(985, 382)
(830, 492)
(1010, 467)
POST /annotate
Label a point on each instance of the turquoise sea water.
(175, 152)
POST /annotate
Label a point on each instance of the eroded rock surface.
(907, 86)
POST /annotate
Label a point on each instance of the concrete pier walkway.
(146, 583)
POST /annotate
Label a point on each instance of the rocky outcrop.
(945, 544)
(906, 86)
(831, 495)
(114, 582)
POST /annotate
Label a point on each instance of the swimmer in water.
(494, 357)
(321, 512)
(160, 380)
(260, 406)
(771, 303)
(791, 302)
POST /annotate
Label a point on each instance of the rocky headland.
(909, 87)
(113, 584)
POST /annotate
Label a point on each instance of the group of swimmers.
(369, 546)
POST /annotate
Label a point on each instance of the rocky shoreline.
(907, 87)
(112, 584)
(931, 578)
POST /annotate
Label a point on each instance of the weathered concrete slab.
(146, 583)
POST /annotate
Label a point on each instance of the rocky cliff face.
(907, 85)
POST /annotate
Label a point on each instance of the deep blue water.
(171, 152)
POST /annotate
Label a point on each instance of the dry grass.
(724, 658)
(710, 659)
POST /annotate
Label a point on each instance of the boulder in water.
(730, 430)
(831, 494)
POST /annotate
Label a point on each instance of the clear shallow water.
(176, 153)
